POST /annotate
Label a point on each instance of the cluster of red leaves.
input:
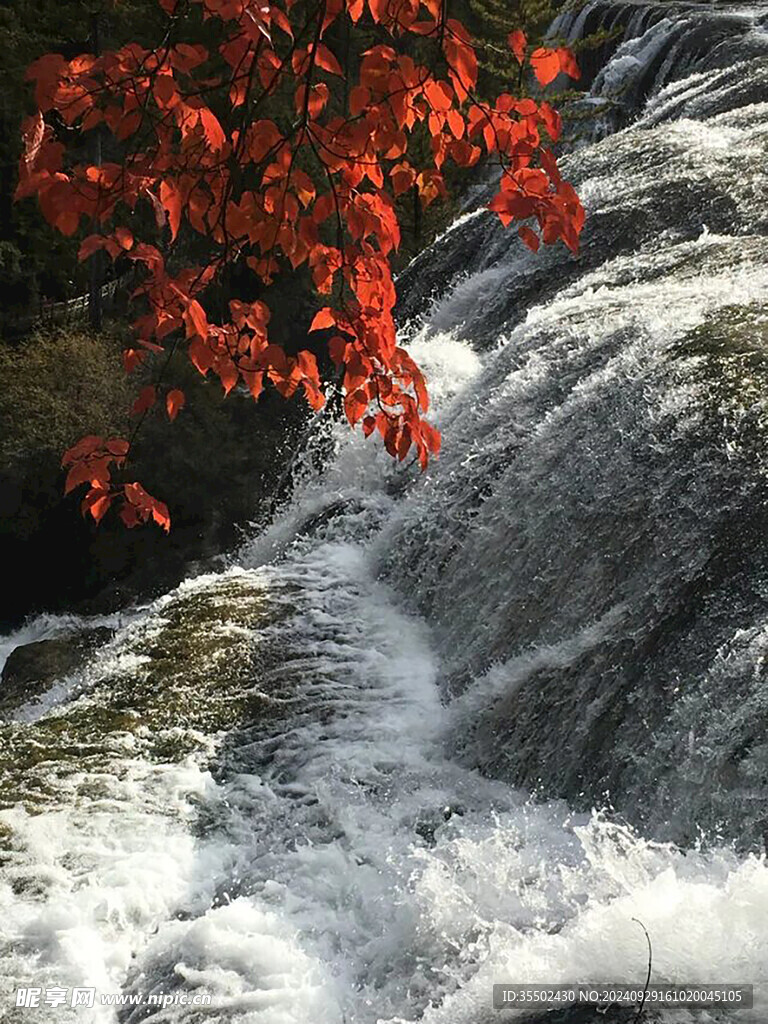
(90, 462)
(194, 145)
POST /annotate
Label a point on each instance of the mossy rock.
(201, 661)
(726, 357)
(732, 335)
(191, 672)
(32, 668)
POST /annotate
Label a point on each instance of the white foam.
(86, 883)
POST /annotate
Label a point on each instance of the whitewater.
(424, 734)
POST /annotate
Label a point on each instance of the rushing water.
(351, 779)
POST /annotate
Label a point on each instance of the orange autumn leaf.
(174, 403)
(145, 401)
(546, 65)
(517, 44)
(530, 237)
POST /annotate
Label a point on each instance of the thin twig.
(650, 968)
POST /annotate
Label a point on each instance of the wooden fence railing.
(69, 311)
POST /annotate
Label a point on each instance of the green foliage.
(490, 22)
(56, 383)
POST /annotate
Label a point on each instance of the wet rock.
(31, 669)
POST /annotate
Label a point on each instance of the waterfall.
(432, 732)
(600, 509)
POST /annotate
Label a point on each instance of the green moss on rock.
(727, 359)
(192, 671)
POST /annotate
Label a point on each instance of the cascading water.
(304, 786)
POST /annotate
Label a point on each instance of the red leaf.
(337, 347)
(136, 495)
(228, 374)
(304, 186)
(517, 44)
(378, 9)
(530, 237)
(212, 129)
(461, 57)
(85, 446)
(124, 238)
(195, 320)
(254, 380)
(546, 65)
(355, 406)
(439, 96)
(359, 98)
(456, 123)
(47, 71)
(186, 57)
(171, 201)
(145, 400)
(327, 61)
(263, 137)
(280, 20)
(512, 206)
(33, 130)
(308, 364)
(318, 97)
(323, 318)
(129, 516)
(89, 246)
(432, 437)
(200, 355)
(157, 208)
(174, 403)
(140, 506)
(568, 63)
(118, 447)
(430, 185)
(79, 474)
(161, 514)
(68, 222)
(151, 346)
(403, 177)
(127, 125)
(132, 358)
(97, 502)
(165, 92)
(551, 120)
